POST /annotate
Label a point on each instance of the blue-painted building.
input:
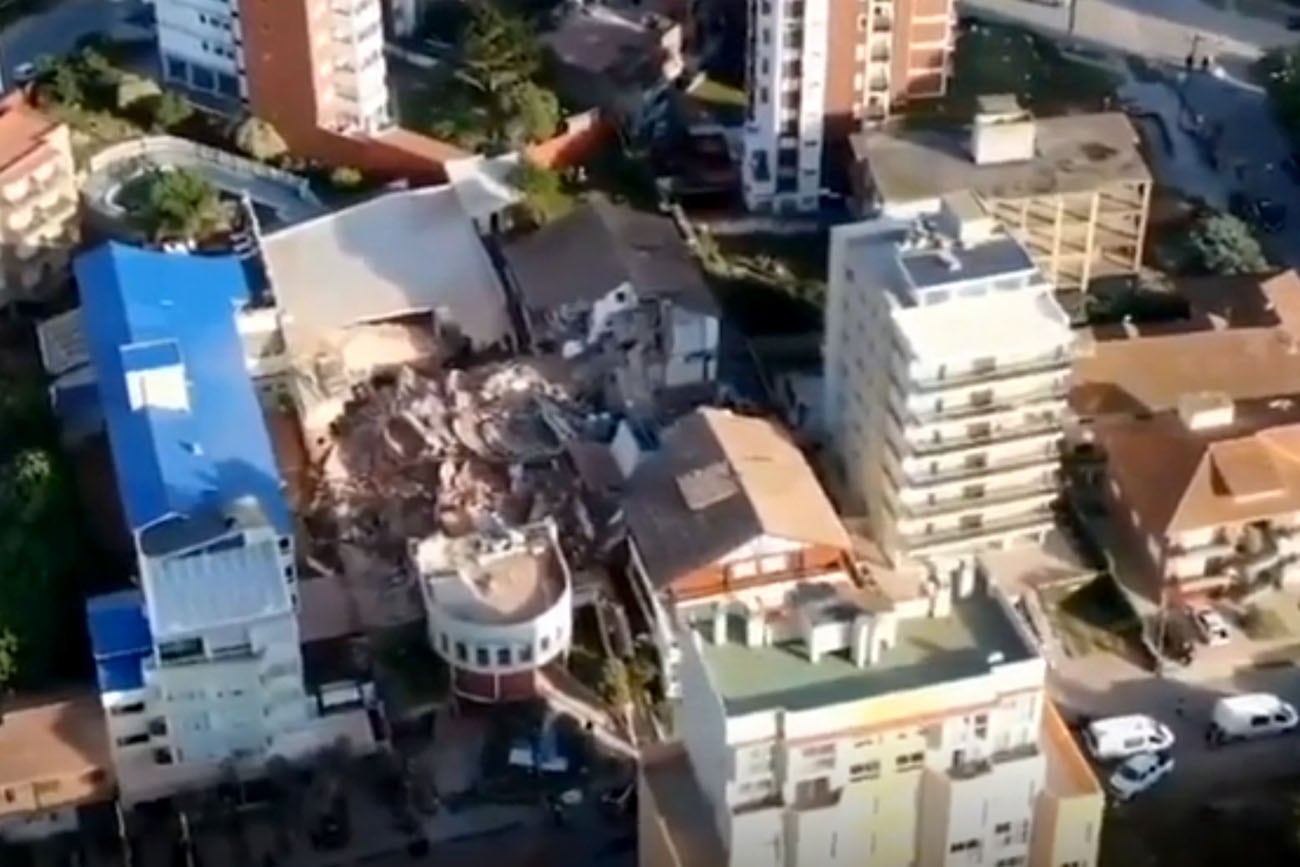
(200, 664)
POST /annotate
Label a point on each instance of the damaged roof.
(718, 481)
(598, 247)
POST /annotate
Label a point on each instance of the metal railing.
(987, 435)
(992, 372)
(1024, 520)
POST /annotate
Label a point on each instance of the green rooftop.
(928, 651)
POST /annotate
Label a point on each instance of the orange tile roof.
(54, 752)
(23, 131)
(1149, 374)
(1177, 479)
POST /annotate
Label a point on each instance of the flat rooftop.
(928, 651)
(995, 257)
(1073, 154)
(494, 586)
(1027, 321)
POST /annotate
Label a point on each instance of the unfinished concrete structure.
(1075, 190)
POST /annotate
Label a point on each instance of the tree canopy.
(500, 50)
(544, 197)
(181, 205)
(38, 534)
(259, 139)
(1223, 244)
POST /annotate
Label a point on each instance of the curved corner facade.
(499, 608)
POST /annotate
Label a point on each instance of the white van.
(1256, 714)
(1119, 737)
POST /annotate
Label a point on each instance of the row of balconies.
(985, 433)
(970, 769)
(980, 496)
(992, 370)
(976, 528)
(43, 177)
(988, 402)
(978, 466)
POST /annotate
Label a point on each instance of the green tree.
(544, 197)
(1223, 244)
(615, 686)
(500, 50)
(182, 205)
(61, 84)
(260, 140)
(8, 659)
(132, 89)
(170, 110)
(529, 113)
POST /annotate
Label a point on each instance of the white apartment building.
(907, 726)
(945, 369)
(217, 46)
(499, 606)
(818, 71)
(200, 45)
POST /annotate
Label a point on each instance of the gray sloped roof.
(598, 247)
(766, 489)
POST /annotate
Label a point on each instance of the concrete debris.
(416, 452)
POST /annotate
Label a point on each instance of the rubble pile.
(419, 452)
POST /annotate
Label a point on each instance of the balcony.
(984, 434)
(993, 371)
(972, 531)
(995, 496)
(975, 470)
(878, 83)
(967, 770)
(985, 404)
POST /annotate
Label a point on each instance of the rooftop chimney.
(1205, 410)
(1002, 132)
(963, 218)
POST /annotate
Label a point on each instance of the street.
(57, 30)
(1157, 30)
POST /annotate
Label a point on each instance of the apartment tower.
(300, 64)
(946, 365)
(817, 71)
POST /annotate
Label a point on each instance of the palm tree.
(182, 205)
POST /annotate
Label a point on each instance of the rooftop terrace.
(928, 651)
(1072, 154)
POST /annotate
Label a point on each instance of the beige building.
(1074, 190)
(54, 758)
(946, 361)
(38, 202)
(892, 722)
(1208, 493)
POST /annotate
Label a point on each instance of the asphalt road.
(1185, 706)
(57, 30)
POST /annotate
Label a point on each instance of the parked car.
(1139, 773)
(1211, 625)
(1251, 715)
(1120, 737)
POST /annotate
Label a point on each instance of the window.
(775, 563)
(481, 656)
(127, 709)
(177, 651)
(462, 652)
(131, 740)
(503, 656)
(909, 761)
(864, 771)
(964, 845)
(525, 653)
(1013, 861)
(818, 750)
